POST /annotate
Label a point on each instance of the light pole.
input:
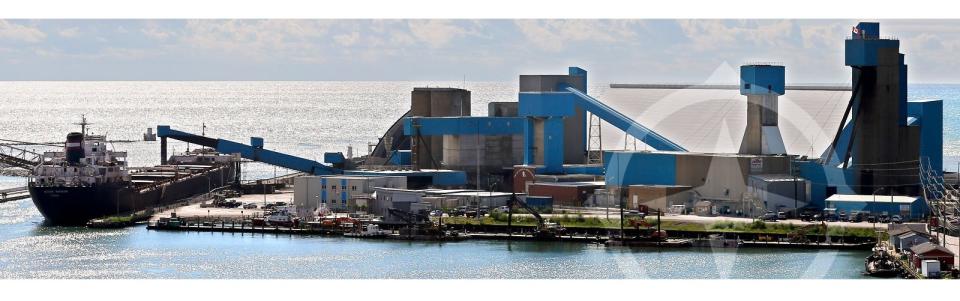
(875, 205)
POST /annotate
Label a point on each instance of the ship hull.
(69, 206)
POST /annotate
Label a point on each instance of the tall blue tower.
(762, 84)
(883, 150)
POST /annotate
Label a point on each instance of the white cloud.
(71, 32)
(19, 32)
(826, 35)
(155, 32)
(552, 35)
(347, 40)
(715, 34)
(255, 38)
(435, 33)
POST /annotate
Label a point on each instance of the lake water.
(306, 119)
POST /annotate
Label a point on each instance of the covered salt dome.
(712, 118)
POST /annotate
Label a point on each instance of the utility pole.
(513, 197)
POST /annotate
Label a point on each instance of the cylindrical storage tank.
(74, 147)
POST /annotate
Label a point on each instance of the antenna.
(83, 124)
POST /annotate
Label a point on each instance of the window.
(353, 188)
(344, 187)
(746, 86)
(323, 187)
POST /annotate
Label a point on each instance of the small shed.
(703, 208)
(909, 239)
(932, 251)
(895, 230)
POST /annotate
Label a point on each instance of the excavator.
(418, 226)
(545, 230)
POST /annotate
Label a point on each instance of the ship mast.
(83, 124)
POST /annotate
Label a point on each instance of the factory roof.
(713, 120)
(574, 184)
(777, 178)
(481, 194)
(866, 198)
(928, 247)
(659, 186)
(897, 229)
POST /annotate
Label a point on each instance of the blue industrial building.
(878, 144)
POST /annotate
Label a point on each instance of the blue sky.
(650, 51)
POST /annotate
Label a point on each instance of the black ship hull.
(76, 205)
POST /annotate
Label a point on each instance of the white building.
(339, 192)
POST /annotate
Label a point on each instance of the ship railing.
(181, 177)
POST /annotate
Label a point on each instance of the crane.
(545, 229)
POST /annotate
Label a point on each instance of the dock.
(13, 194)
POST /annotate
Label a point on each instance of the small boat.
(369, 231)
(880, 264)
(640, 242)
(718, 241)
(281, 216)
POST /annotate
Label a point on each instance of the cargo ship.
(87, 180)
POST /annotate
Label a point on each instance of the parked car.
(769, 216)
(633, 214)
(884, 218)
(896, 219)
(503, 209)
(871, 218)
(249, 206)
(781, 215)
(436, 213)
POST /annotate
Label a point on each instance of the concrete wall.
(781, 194)
(721, 178)
(436, 102)
(460, 152)
(657, 197)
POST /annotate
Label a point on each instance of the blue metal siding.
(929, 114)
(528, 142)
(918, 209)
(631, 168)
(821, 176)
(858, 52)
(400, 157)
(553, 145)
(539, 201)
(333, 157)
(545, 104)
(761, 80)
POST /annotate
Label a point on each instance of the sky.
(621, 51)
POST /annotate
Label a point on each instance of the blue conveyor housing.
(254, 151)
(624, 123)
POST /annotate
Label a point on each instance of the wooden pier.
(13, 194)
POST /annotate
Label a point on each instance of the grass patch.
(579, 221)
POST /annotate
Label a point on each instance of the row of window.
(334, 187)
